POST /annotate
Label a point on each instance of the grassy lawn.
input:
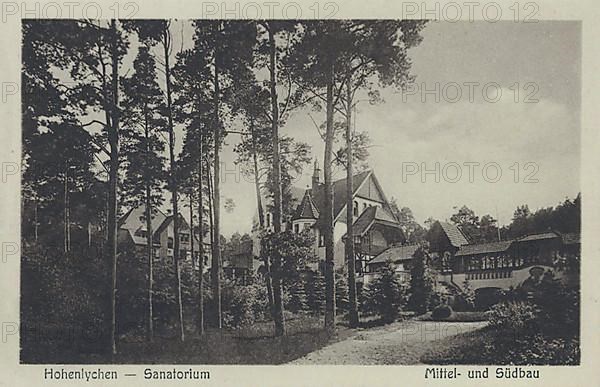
(483, 347)
(255, 344)
(464, 348)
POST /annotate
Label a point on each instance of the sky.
(508, 99)
(495, 107)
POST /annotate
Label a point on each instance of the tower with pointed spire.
(316, 177)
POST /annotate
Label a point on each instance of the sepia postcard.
(282, 193)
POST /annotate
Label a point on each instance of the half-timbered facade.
(375, 226)
(494, 265)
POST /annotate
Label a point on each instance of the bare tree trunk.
(113, 139)
(277, 211)
(192, 225)
(210, 208)
(261, 219)
(353, 312)
(328, 213)
(149, 235)
(35, 218)
(201, 246)
(216, 250)
(66, 211)
(173, 183)
(149, 245)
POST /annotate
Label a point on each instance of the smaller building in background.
(132, 233)
(239, 262)
(487, 266)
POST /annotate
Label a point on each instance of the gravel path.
(398, 343)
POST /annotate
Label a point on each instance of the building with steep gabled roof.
(132, 233)
(375, 225)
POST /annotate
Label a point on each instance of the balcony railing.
(488, 275)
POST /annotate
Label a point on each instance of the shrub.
(441, 312)
(243, 305)
(422, 293)
(315, 293)
(385, 295)
(296, 300)
(514, 316)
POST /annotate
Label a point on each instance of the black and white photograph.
(309, 191)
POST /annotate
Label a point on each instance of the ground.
(403, 343)
(306, 342)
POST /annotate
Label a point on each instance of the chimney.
(316, 177)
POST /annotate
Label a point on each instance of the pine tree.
(385, 295)
(145, 174)
(315, 293)
(422, 282)
(297, 299)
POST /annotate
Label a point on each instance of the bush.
(441, 312)
(385, 296)
(513, 316)
(64, 304)
(296, 300)
(243, 305)
(315, 293)
(422, 293)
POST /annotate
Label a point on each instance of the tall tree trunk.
(150, 256)
(192, 225)
(277, 210)
(35, 219)
(328, 213)
(113, 138)
(201, 245)
(173, 183)
(353, 312)
(261, 218)
(216, 250)
(149, 234)
(211, 212)
(66, 210)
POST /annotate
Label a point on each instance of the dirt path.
(399, 343)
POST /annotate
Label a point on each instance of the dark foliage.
(384, 296)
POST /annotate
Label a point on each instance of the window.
(142, 233)
(296, 228)
(170, 242)
(355, 209)
(268, 219)
(306, 226)
(184, 237)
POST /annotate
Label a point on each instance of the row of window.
(183, 237)
(493, 262)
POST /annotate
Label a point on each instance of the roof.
(133, 222)
(537, 237)
(456, 237)
(484, 248)
(395, 254)
(339, 190)
(307, 208)
(370, 216)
